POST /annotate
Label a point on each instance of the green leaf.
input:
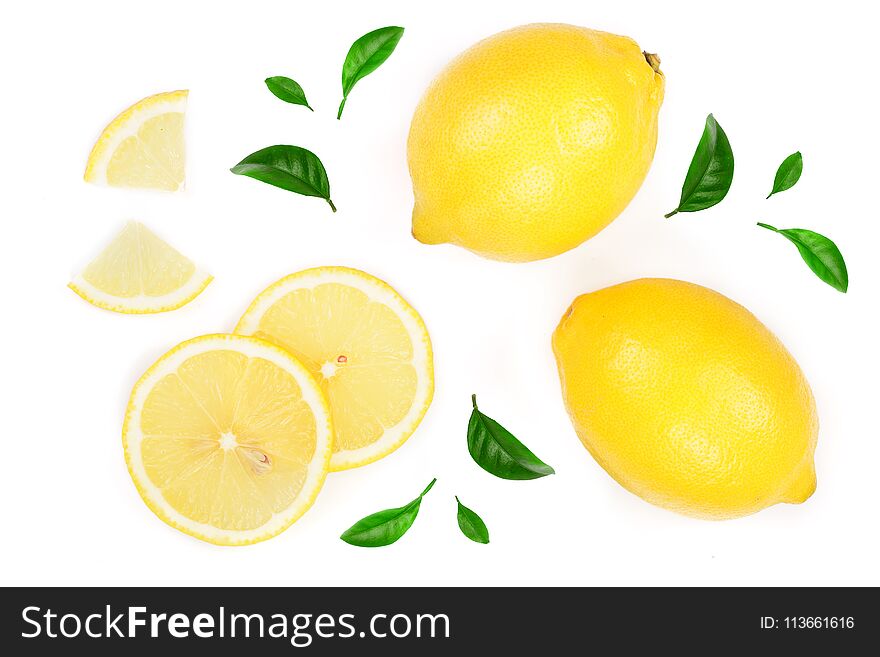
(384, 527)
(788, 174)
(366, 55)
(288, 90)
(288, 167)
(711, 172)
(498, 452)
(820, 254)
(471, 525)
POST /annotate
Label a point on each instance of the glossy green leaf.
(471, 525)
(711, 171)
(788, 174)
(384, 527)
(820, 254)
(366, 55)
(288, 167)
(288, 90)
(498, 452)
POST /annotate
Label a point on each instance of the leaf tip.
(543, 470)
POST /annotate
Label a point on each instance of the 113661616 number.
(818, 622)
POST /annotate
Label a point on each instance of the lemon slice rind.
(142, 304)
(132, 436)
(376, 290)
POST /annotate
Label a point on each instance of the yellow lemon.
(533, 141)
(686, 399)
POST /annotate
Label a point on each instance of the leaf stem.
(332, 207)
(768, 227)
(671, 214)
(474, 401)
(341, 105)
(430, 486)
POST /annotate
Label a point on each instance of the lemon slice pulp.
(228, 439)
(368, 349)
(139, 273)
(144, 146)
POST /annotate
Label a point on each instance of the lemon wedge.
(228, 439)
(368, 349)
(144, 146)
(139, 273)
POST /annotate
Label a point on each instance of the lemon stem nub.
(653, 60)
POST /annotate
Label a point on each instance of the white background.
(779, 76)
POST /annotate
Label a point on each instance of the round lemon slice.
(139, 273)
(228, 439)
(367, 348)
(143, 146)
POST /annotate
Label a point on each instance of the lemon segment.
(368, 349)
(228, 439)
(144, 146)
(139, 273)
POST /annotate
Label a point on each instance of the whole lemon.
(686, 399)
(533, 141)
